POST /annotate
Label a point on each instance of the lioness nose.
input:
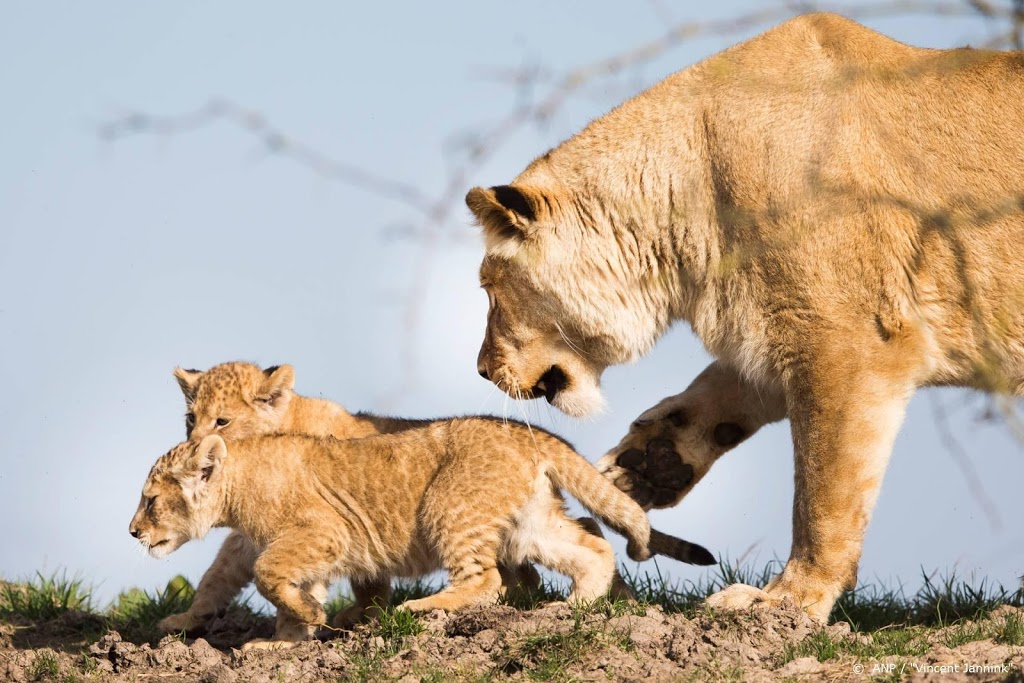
(481, 361)
(133, 531)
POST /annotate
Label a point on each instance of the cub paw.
(176, 623)
(354, 614)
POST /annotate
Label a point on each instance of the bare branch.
(963, 461)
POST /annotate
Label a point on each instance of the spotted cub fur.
(239, 400)
(460, 495)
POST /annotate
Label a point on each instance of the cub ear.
(278, 382)
(209, 456)
(188, 380)
(506, 213)
(205, 461)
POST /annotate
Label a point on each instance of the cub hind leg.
(568, 547)
(619, 589)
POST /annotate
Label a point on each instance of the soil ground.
(552, 642)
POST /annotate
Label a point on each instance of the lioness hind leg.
(230, 572)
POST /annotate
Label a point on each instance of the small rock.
(840, 629)
(205, 655)
(804, 666)
(486, 639)
(219, 673)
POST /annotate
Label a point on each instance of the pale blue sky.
(119, 261)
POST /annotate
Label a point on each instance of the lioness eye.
(222, 421)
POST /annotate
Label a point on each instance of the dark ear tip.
(271, 370)
(513, 199)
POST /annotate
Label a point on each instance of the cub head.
(566, 299)
(180, 499)
(235, 400)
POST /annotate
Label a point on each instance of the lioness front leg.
(230, 572)
(670, 447)
(844, 423)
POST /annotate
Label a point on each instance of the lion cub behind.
(457, 495)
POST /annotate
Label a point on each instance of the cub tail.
(570, 471)
(678, 549)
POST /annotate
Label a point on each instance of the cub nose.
(483, 372)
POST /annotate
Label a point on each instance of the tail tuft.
(678, 549)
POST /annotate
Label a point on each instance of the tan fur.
(837, 216)
(251, 402)
(457, 495)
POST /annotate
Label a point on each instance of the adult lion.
(837, 215)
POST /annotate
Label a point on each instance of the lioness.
(455, 495)
(237, 400)
(837, 216)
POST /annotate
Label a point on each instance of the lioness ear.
(277, 385)
(188, 380)
(505, 213)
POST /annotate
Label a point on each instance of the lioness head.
(566, 299)
(179, 499)
(235, 400)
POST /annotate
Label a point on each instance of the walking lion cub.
(460, 495)
(237, 400)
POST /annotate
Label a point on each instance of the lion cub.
(237, 400)
(459, 495)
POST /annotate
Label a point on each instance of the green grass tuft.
(1011, 630)
(136, 613)
(396, 626)
(45, 597)
(45, 666)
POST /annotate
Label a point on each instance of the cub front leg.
(288, 575)
(844, 421)
(230, 572)
(670, 447)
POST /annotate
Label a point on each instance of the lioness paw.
(739, 596)
(654, 476)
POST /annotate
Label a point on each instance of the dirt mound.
(554, 642)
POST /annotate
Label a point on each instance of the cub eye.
(190, 419)
(222, 421)
(149, 503)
